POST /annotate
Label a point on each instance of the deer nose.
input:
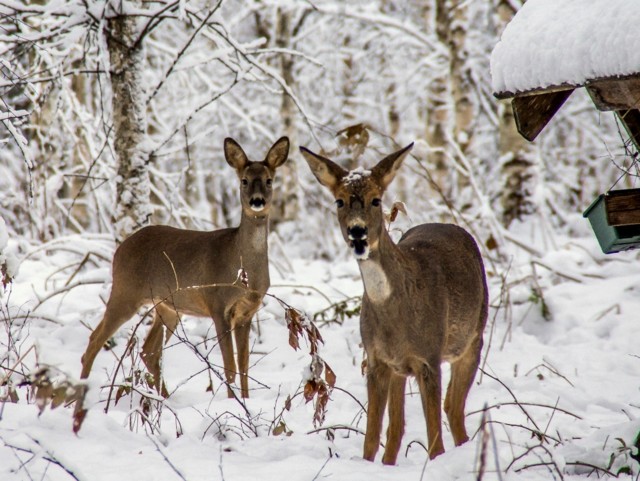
(257, 203)
(357, 232)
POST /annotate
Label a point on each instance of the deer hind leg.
(463, 371)
(241, 334)
(165, 319)
(116, 314)
(395, 431)
(429, 381)
(378, 379)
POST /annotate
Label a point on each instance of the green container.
(612, 239)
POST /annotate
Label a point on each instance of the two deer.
(425, 298)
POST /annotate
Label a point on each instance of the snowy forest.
(114, 116)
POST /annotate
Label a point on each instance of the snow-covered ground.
(558, 397)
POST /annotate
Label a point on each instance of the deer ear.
(234, 154)
(327, 172)
(388, 167)
(278, 153)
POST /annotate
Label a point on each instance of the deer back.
(438, 296)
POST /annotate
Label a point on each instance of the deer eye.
(269, 182)
(245, 182)
(375, 202)
(340, 203)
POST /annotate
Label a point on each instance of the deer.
(425, 302)
(196, 273)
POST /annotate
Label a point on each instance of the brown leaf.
(321, 404)
(44, 392)
(13, 395)
(329, 375)
(287, 403)
(123, 390)
(59, 396)
(491, 243)
(279, 429)
(293, 340)
(395, 208)
(355, 138)
(78, 419)
(310, 390)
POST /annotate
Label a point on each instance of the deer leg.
(429, 381)
(377, 391)
(241, 334)
(395, 430)
(115, 316)
(225, 341)
(463, 371)
(164, 317)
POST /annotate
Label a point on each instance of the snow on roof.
(554, 42)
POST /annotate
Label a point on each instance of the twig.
(514, 398)
(336, 388)
(182, 51)
(500, 404)
(16, 364)
(166, 459)
(321, 469)
(336, 427)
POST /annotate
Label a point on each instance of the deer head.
(256, 178)
(358, 195)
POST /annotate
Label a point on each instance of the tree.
(126, 55)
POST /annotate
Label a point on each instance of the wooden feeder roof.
(552, 47)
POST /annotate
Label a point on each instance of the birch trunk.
(517, 159)
(129, 125)
(286, 203)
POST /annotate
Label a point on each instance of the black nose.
(257, 202)
(357, 232)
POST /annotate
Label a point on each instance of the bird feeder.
(615, 220)
(543, 57)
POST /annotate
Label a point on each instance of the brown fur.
(157, 263)
(425, 302)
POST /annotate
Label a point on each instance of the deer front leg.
(377, 390)
(395, 431)
(429, 381)
(241, 334)
(225, 341)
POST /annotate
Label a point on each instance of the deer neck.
(252, 236)
(379, 270)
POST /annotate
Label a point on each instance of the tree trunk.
(129, 125)
(516, 154)
(438, 110)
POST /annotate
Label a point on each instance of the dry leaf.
(491, 243)
(329, 375)
(395, 208)
(310, 390)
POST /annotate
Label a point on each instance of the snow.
(571, 377)
(556, 42)
(356, 175)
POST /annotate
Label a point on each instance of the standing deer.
(163, 266)
(425, 302)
